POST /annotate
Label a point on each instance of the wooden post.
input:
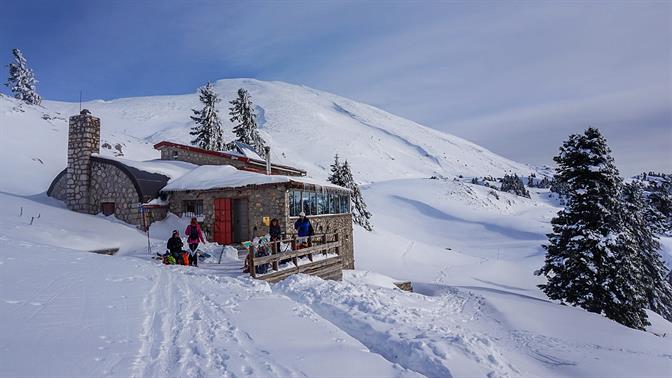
(253, 269)
(274, 250)
(338, 249)
(324, 241)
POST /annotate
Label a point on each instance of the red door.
(223, 231)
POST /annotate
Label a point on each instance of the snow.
(226, 176)
(470, 255)
(171, 168)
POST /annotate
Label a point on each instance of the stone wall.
(111, 184)
(58, 187)
(271, 201)
(267, 201)
(341, 223)
(83, 140)
(201, 158)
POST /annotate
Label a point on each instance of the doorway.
(241, 220)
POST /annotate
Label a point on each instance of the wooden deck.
(319, 256)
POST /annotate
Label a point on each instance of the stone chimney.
(83, 140)
(267, 150)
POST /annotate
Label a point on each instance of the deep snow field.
(476, 310)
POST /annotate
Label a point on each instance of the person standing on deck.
(194, 236)
(303, 228)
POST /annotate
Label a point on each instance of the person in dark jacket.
(303, 228)
(175, 245)
(274, 230)
(194, 236)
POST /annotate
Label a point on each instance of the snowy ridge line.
(421, 334)
(422, 151)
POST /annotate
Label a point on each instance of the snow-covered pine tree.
(341, 175)
(590, 261)
(208, 128)
(21, 80)
(653, 283)
(242, 114)
(530, 180)
(514, 185)
(336, 176)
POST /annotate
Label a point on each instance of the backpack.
(169, 260)
(193, 233)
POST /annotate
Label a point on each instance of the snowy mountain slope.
(304, 127)
(470, 253)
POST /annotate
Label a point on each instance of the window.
(334, 204)
(322, 203)
(107, 208)
(193, 207)
(313, 203)
(175, 153)
(345, 204)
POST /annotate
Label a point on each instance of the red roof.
(227, 155)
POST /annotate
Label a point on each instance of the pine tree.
(208, 128)
(514, 185)
(591, 261)
(242, 114)
(21, 80)
(653, 283)
(341, 175)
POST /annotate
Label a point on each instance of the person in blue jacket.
(303, 228)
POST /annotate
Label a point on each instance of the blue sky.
(515, 77)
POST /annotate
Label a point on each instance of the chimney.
(267, 149)
(83, 140)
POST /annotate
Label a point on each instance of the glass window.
(193, 208)
(305, 203)
(322, 203)
(344, 204)
(334, 204)
(294, 202)
(313, 203)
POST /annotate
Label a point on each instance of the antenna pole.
(80, 100)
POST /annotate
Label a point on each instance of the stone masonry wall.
(270, 201)
(264, 201)
(111, 184)
(174, 153)
(83, 140)
(341, 223)
(59, 189)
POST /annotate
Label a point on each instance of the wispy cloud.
(514, 77)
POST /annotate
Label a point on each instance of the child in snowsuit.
(175, 245)
(194, 236)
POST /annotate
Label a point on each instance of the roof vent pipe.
(267, 149)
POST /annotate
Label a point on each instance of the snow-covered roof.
(170, 168)
(245, 150)
(225, 176)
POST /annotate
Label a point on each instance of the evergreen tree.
(653, 283)
(208, 128)
(530, 180)
(341, 175)
(242, 114)
(514, 185)
(591, 260)
(21, 80)
(544, 183)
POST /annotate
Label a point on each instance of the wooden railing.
(316, 244)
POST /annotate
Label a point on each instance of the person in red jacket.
(194, 236)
